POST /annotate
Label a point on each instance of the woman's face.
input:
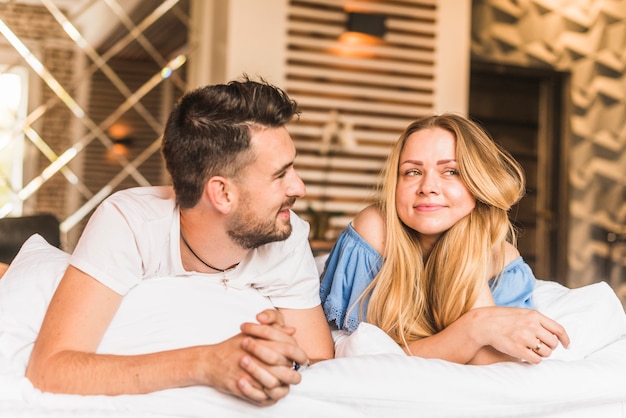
(430, 195)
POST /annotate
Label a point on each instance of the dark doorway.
(525, 111)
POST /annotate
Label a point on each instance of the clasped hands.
(257, 364)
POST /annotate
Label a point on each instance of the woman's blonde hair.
(411, 298)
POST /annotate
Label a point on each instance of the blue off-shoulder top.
(352, 264)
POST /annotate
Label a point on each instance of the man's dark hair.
(208, 133)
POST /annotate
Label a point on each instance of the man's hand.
(231, 369)
(272, 352)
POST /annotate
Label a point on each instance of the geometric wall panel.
(102, 75)
(587, 39)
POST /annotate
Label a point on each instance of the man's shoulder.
(143, 195)
(145, 192)
(150, 202)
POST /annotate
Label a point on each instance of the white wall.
(232, 37)
(453, 56)
(257, 39)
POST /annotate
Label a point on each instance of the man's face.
(268, 188)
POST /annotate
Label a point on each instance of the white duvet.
(372, 377)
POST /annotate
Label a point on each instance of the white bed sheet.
(372, 380)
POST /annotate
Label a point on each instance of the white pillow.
(365, 340)
(158, 314)
(592, 315)
(166, 313)
(26, 289)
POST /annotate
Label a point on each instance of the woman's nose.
(429, 184)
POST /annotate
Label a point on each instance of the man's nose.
(296, 187)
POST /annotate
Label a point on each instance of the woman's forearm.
(458, 343)
(462, 342)
(493, 334)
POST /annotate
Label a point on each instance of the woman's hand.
(523, 334)
(494, 334)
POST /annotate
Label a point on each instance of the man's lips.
(288, 205)
(285, 211)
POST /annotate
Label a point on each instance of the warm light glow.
(118, 131)
(355, 45)
(118, 149)
(357, 38)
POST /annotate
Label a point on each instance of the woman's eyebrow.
(439, 162)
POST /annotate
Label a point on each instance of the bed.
(370, 378)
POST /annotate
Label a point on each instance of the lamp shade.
(368, 23)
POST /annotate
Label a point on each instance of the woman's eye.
(451, 172)
(412, 172)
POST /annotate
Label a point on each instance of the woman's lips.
(429, 207)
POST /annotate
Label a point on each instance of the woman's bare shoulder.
(510, 253)
(503, 257)
(370, 225)
(501, 260)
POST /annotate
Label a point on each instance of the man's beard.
(250, 232)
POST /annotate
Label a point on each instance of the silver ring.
(298, 367)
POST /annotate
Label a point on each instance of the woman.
(434, 262)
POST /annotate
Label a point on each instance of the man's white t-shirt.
(134, 235)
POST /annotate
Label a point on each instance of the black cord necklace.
(201, 260)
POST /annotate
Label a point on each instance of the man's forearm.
(103, 374)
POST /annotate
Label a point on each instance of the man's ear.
(221, 193)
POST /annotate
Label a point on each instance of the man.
(231, 161)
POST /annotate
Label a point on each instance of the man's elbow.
(37, 379)
(41, 378)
